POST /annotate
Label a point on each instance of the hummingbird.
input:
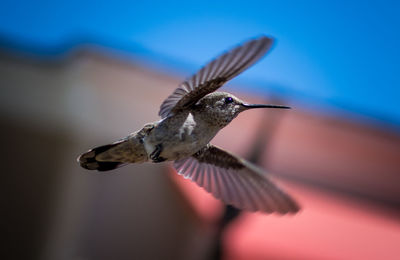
(190, 117)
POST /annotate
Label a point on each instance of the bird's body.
(180, 135)
(191, 117)
(186, 132)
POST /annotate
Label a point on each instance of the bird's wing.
(235, 181)
(215, 74)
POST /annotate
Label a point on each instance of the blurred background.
(74, 75)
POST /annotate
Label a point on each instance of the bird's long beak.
(250, 106)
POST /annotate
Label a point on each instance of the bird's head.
(222, 107)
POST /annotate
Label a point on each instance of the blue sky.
(341, 54)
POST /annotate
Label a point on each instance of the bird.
(190, 117)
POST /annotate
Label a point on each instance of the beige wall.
(52, 111)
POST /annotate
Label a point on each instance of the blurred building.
(344, 173)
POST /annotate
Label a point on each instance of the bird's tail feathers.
(88, 160)
(111, 156)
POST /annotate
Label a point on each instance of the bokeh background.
(74, 75)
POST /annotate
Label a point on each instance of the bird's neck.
(208, 116)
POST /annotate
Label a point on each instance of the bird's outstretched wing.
(215, 74)
(235, 181)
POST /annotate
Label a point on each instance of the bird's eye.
(228, 100)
